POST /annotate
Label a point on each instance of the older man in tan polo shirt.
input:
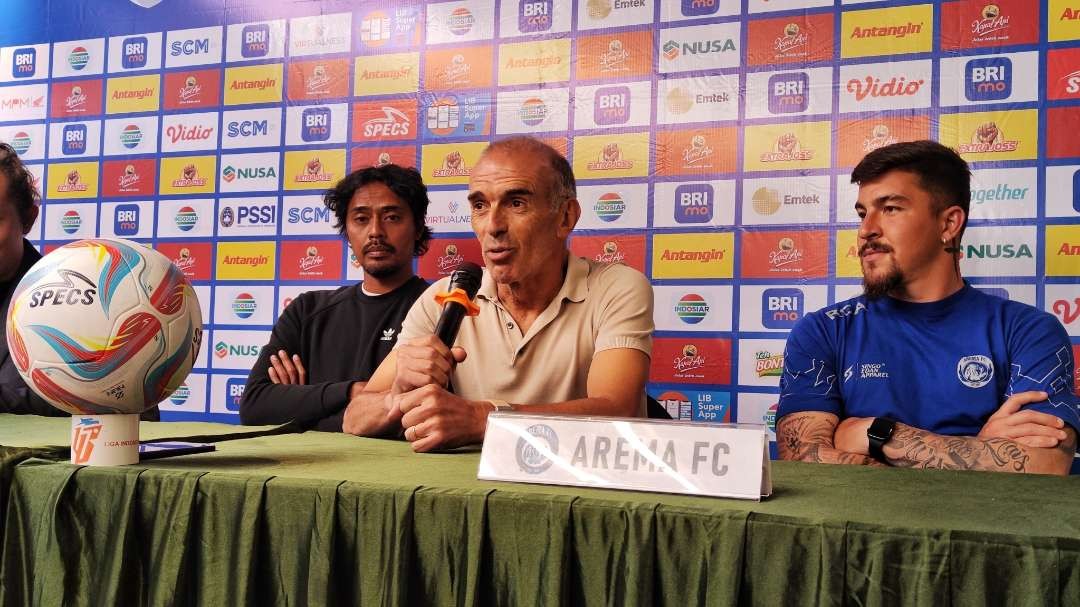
(556, 333)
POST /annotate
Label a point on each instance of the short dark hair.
(563, 185)
(20, 187)
(405, 183)
(941, 172)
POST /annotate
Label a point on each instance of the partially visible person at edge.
(555, 333)
(19, 201)
(923, 370)
(326, 344)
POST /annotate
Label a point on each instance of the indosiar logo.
(988, 79)
(74, 139)
(134, 52)
(24, 63)
(781, 308)
(255, 41)
(694, 203)
(126, 220)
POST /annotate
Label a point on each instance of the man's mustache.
(874, 247)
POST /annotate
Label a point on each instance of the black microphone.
(457, 301)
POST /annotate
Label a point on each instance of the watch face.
(881, 429)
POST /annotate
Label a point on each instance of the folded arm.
(808, 437)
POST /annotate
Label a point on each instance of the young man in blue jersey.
(922, 370)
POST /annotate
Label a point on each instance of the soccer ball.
(104, 326)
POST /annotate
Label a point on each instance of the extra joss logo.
(73, 183)
(988, 138)
(787, 149)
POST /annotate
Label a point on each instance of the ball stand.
(105, 440)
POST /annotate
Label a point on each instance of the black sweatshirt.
(341, 337)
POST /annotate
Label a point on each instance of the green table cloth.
(324, 519)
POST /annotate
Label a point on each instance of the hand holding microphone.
(431, 359)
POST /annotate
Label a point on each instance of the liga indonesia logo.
(82, 444)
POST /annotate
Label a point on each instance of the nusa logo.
(230, 173)
(988, 79)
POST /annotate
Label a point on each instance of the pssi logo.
(694, 203)
(134, 52)
(534, 15)
(315, 124)
(781, 308)
(24, 63)
(612, 105)
(988, 79)
(74, 139)
(82, 444)
(692, 308)
(255, 41)
(789, 93)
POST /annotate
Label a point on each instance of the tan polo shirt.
(599, 307)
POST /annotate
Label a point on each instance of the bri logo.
(126, 220)
(694, 203)
(24, 63)
(135, 52)
(534, 15)
(789, 93)
(699, 8)
(315, 124)
(781, 308)
(74, 139)
(612, 105)
(988, 79)
(234, 393)
(255, 41)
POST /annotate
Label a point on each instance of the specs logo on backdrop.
(988, 79)
(135, 52)
(534, 16)
(24, 63)
(256, 41)
(789, 93)
(781, 308)
(694, 203)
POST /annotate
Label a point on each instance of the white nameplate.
(721, 460)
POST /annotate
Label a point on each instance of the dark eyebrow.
(517, 192)
(880, 200)
(475, 196)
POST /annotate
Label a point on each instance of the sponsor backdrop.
(712, 141)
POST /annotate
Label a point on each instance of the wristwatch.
(879, 433)
(500, 406)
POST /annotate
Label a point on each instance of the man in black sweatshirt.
(326, 344)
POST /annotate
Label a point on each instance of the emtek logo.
(126, 220)
(135, 52)
(74, 139)
(694, 203)
(781, 308)
(256, 41)
(189, 47)
(234, 393)
(247, 128)
(612, 105)
(534, 15)
(24, 63)
(315, 124)
(699, 8)
(789, 93)
(988, 79)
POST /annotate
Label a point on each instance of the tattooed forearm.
(914, 448)
(808, 437)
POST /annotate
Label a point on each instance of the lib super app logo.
(988, 79)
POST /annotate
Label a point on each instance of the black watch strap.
(879, 433)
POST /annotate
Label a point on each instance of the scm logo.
(247, 128)
(189, 47)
